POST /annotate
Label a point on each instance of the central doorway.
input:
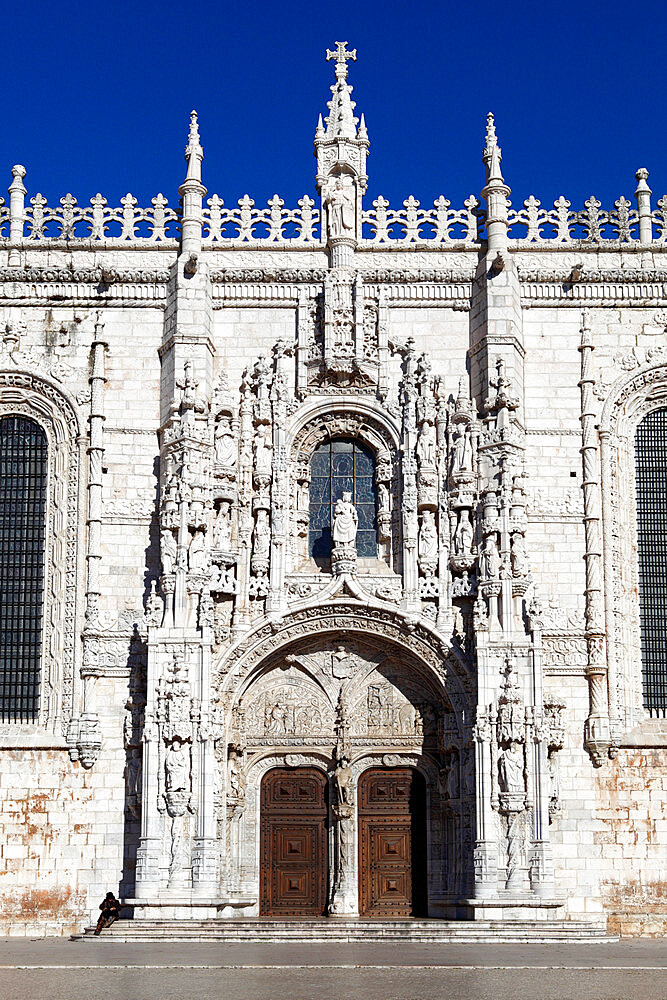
(293, 843)
(392, 843)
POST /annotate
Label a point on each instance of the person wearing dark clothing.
(110, 908)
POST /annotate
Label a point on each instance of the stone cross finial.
(341, 55)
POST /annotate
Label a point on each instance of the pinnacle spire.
(492, 154)
(194, 154)
(340, 121)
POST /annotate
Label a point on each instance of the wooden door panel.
(293, 843)
(391, 830)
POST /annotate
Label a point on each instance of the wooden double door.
(392, 843)
(294, 833)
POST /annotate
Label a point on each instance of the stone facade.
(185, 366)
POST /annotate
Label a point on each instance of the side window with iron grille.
(23, 500)
(651, 486)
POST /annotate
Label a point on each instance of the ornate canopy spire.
(341, 152)
(340, 121)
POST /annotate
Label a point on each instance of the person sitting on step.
(110, 908)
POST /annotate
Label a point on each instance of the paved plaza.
(58, 969)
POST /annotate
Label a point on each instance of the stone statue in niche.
(222, 531)
(491, 558)
(344, 783)
(428, 537)
(345, 521)
(510, 770)
(197, 553)
(168, 551)
(462, 460)
(262, 534)
(426, 444)
(340, 201)
(177, 767)
(263, 450)
(463, 535)
(225, 446)
(518, 555)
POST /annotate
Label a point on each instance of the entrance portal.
(293, 843)
(392, 843)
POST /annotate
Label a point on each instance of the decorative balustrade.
(100, 223)
(247, 224)
(382, 227)
(437, 226)
(562, 226)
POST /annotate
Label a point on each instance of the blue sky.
(96, 96)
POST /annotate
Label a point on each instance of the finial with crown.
(341, 151)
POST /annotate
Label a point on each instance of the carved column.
(597, 736)
(17, 193)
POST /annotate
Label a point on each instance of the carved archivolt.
(631, 398)
(40, 400)
(346, 621)
(365, 427)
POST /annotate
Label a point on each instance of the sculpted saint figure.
(519, 562)
(222, 532)
(197, 553)
(510, 770)
(343, 778)
(345, 521)
(263, 449)
(341, 208)
(262, 534)
(225, 446)
(426, 444)
(491, 558)
(428, 536)
(177, 767)
(462, 451)
(168, 551)
(464, 534)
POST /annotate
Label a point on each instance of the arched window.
(23, 484)
(651, 482)
(336, 467)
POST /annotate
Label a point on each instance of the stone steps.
(359, 931)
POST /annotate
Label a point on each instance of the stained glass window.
(337, 467)
(651, 480)
(23, 467)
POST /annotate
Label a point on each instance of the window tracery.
(338, 466)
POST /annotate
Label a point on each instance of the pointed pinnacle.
(491, 138)
(193, 137)
(362, 131)
(319, 131)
